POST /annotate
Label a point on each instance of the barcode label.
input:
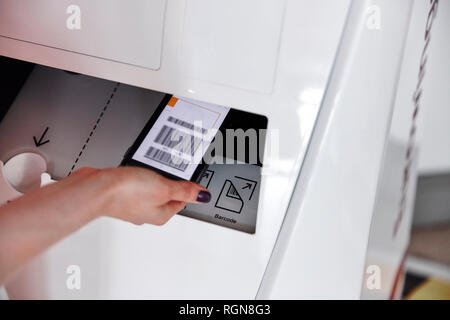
(166, 158)
(185, 124)
(178, 140)
(181, 134)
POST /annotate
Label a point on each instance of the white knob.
(23, 171)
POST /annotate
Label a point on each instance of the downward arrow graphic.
(40, 142)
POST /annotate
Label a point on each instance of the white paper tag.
(180, 136)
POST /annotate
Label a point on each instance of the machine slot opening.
(73, 120)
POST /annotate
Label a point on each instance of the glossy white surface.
(107, 28)
(188, 258)
(216, 47)
(321, 250)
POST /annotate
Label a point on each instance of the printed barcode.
(166, 158)
(186, 124)
(180, 141)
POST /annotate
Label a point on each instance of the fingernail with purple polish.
(204, 196)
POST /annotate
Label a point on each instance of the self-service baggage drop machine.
(89, 75)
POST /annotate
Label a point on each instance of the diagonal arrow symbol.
(40, 142)
(247, 186)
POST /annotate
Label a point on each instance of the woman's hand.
(141, 196)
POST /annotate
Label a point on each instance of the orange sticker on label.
(172, 102)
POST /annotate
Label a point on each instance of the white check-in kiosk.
(325, 74)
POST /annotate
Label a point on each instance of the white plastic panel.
(193, 259)
(321, 251)
(109, 29)
(216, 47)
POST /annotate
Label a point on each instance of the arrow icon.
(247, 186)
(40, 142)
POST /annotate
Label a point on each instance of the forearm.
(42, 217)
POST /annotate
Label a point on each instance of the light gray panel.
(91, 122)
(235, 194)
(67, 104)
(127, 113)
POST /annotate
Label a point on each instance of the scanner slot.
(73, 120)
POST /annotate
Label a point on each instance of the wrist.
(97, 189)
(104, 195)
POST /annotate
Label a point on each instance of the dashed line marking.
(95, 127)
